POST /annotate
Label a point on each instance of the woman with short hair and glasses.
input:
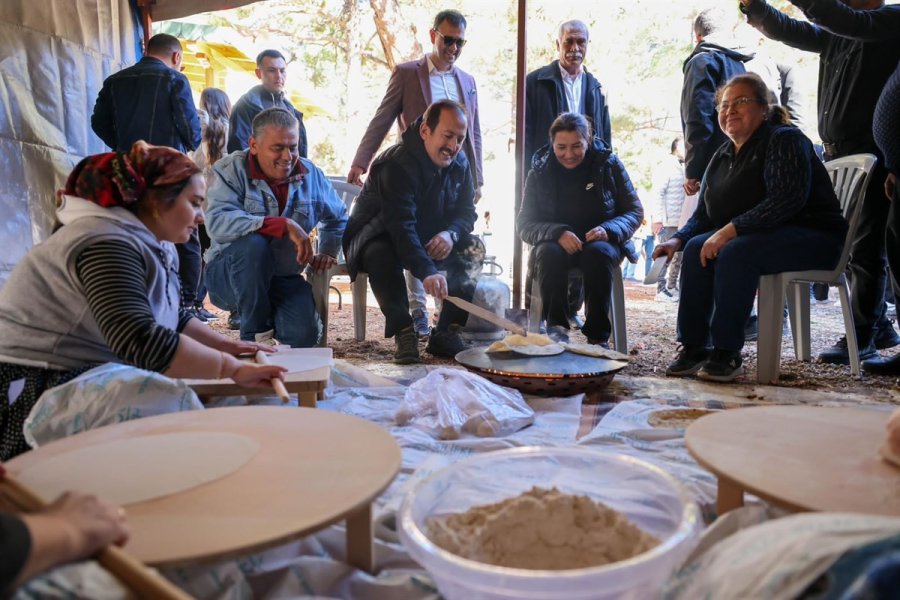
(766, 206)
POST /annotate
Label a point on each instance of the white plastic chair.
(851, 176)
(616, 308)
(321, 282)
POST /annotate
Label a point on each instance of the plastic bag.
(110, 393)
(449, 402)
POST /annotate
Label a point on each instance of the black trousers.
(380, 261)
(867, 255)
(204, 246)
(190, 267)
(597, 261)
(892, 237)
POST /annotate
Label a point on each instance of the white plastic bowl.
(651, 498)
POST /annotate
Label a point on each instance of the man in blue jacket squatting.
(263, 202)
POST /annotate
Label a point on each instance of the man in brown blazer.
(413, 86)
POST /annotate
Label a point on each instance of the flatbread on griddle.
(532, 344)
(595, 351)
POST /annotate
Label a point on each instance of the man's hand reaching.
(322, 262)
(301, 241)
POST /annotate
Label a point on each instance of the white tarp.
(54, 56)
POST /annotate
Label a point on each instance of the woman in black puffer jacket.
(580, 210)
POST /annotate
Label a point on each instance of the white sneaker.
(666, 295)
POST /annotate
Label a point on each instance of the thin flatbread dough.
(532, 344)
(133, 470)
(595, 351)
(298, 364)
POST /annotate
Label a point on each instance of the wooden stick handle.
(131, 572)
(277, 383)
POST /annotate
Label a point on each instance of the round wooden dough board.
(126, 471)
(800, 457)
(313, 468)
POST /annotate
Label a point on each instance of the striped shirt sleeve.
(114, 276)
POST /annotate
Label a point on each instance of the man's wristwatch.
(453, 235)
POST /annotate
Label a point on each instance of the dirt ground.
(651, 342)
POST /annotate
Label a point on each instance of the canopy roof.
(163, 10)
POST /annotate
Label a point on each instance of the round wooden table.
(799, 458)
(313, 468)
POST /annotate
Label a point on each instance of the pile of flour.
(541, 529)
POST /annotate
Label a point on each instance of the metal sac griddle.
(559, 375)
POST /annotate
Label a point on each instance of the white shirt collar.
(570, 78)
(434, 69)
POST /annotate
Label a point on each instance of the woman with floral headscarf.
(104, 287)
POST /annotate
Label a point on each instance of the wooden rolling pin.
(263, 359)
(131, 572)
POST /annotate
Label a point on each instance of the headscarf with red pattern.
(120, 179)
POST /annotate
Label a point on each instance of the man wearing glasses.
(413, 86)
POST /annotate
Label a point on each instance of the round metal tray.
(559, 375)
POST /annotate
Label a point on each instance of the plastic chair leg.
(849, 329)
(358, 289)
(798, 297)
(770, 311)
(320, 283)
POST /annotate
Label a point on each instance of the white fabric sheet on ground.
(625, 429)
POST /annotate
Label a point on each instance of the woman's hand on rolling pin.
(257, 376)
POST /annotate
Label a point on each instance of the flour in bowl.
(541, 529)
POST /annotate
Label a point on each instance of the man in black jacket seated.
(416, 211)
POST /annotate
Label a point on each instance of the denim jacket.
(238, 204)
(147, 101)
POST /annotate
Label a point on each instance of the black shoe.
(596, 342)
(839, 355)
(723, 365)
(885, 335)
(205, 314)
(446, 344)
(751, 329)
(881, 365)
(558, 333)
(407, 352)
(192, 310)
(688, 361)
(234, 320)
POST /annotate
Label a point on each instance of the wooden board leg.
(307, 399)
(730, 496)
(360, 532)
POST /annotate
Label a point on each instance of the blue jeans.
(716, 299)
(247, 277)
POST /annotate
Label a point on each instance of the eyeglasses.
(736, 103)
(450, 41)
